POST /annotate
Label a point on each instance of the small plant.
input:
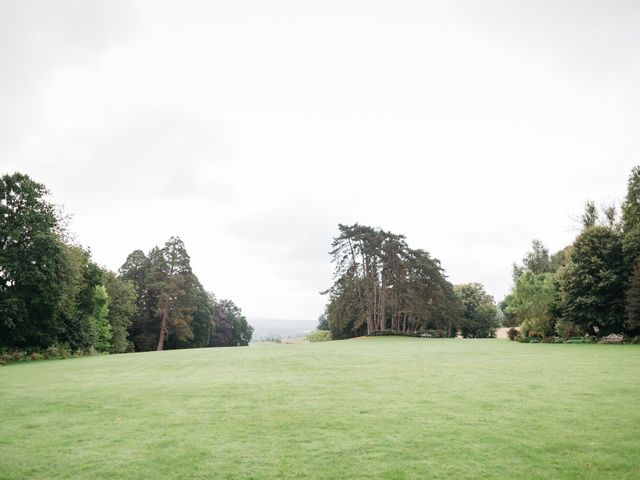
(513, 333)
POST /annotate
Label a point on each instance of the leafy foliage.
(480, 318)
(53, 296)
(319, 336)
(31, 264)
(532, 301)
(593, 283)
(382, 284)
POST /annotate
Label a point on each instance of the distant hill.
(271, 328)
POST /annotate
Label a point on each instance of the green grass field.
(367, 408)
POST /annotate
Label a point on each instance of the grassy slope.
(373, 408)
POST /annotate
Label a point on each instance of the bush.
(319, 336)
(535, 334)
(382, 333)
(584, 339)
(566, 329)
(434, 334)
(524, 339)
(513, 333)
(53, 351)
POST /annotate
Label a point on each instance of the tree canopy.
(53, 294)
(380, 284)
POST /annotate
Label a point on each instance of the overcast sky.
(252, 128)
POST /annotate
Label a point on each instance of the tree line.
(54, 296)
(591, 287)
(382, 286)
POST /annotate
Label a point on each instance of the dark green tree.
(632, 323)
(231, 327)
(144, 327)
(592, 284)
(480, 315)
(31, 264)
(202, 319)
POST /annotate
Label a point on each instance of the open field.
(368, 408)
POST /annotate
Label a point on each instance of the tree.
(231, 327)
(31, 264)
(532, 302)
(592, 284)
(202, 320)
(536, 261)
(323, 320)
(631, 205)
(122, 309)
(79, 302)
(480, 318)
(382, 284)
(102, 332)
(143, 329)
(632, 323)
(171, 279)
(590, 215)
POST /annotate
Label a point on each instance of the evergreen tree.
(382, 284)
(171, 281)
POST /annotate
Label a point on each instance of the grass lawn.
(390, 408)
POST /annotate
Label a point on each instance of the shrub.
(381, 333)
(535, 334)
(567, 329)
(585, 339)
(53, 351)
(513, 333)
(319, 336)
(434, 334)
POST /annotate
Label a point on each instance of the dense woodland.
(381, 286)
(591, 287)
(55, 299)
